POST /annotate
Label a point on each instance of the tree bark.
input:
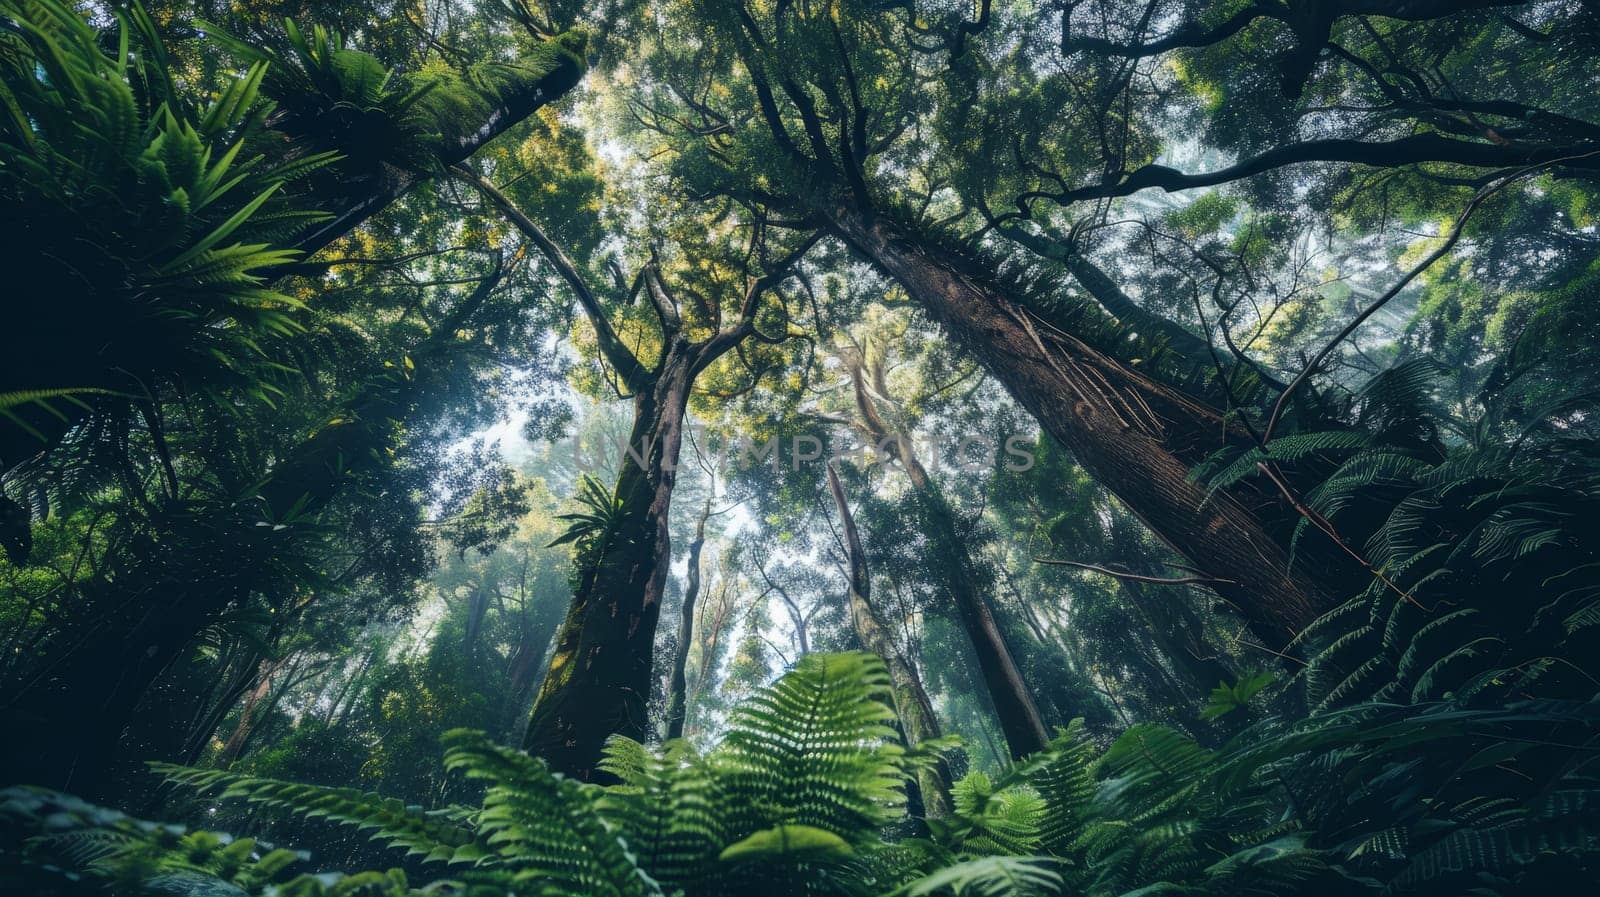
(1013, 701)
(1137, 437)
(678, 688)
(917, 719)
(598, 682)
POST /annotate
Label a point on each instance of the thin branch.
(1136, 577)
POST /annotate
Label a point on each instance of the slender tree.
(917, 718)
(958, 572)
(678, 684)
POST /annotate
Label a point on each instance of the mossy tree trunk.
(598, 681)
(955, 568)
(915, 709)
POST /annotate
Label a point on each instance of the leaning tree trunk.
(1138, 438)
(678, 688)
(527, 659)
(912, 704)
(178, 579)
(598, 682)
(956, 571)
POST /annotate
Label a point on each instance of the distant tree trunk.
(915, 709)
(678, 689)
(598, 682)
(477, 610)
(1172, 631)
(522, 676)
(339, 708)
(236, 685)
(233, 746)
(1138, 438)
(161, 593)
(956, 571)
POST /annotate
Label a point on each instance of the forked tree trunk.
(915, 709)
(598, 683)
(1138, 438)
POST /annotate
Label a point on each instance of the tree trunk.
(678, 689)
(526, 661)
(1138, 438)
(1013, 702)
(917, 719)
(233, 746)
(236, 685)
(598, 682)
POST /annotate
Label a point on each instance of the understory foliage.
(169, 206)
(1430, 798)
(1480, 560)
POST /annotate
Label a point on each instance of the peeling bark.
(1137, 437)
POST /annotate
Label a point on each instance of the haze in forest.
(814, 447)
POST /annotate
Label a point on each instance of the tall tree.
(1139, 437)
(959, 573)
(598, 682)
(912, 705)
(678, 683)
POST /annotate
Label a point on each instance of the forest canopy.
(813, 447)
